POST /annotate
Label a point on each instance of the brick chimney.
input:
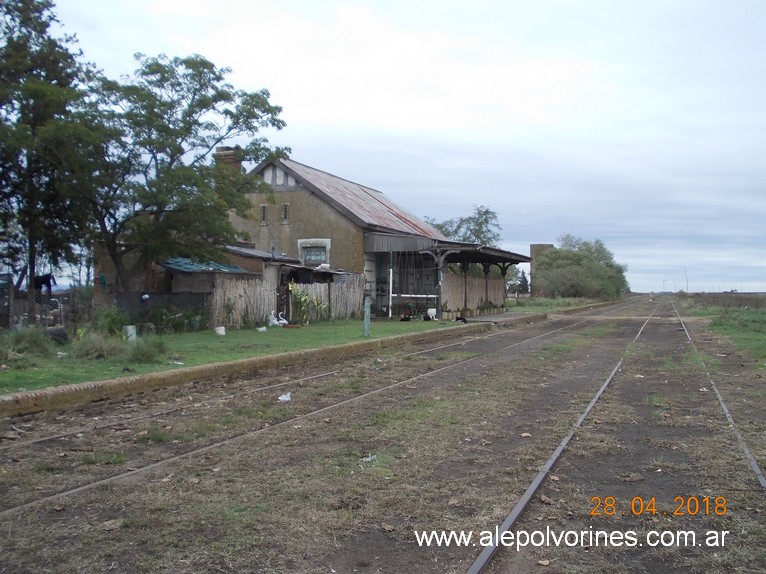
(230, 155)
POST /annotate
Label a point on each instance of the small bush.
(97, 346)
(157, 434)
(27, 342)
(110, 322)
(147, 350)
(171, 321)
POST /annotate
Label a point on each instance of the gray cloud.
(642, 124)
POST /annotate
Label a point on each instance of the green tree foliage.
(579, 268)
(42, 93)
(480, 227)
(158, 193)
(523, 283)
(512, 280)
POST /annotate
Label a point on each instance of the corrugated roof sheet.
(258, 254)
(186, 265)
(367, 205)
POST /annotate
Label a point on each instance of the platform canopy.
(446, 251)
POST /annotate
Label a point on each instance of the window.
(264, 221)
(285, 213)
(314, 255)
(314, 251)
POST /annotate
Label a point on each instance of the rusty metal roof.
(187, 265)
(258, 254)
(368, 207)
(387, 226)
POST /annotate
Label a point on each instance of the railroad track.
(65, 471)
(636, 507)
(86, 442)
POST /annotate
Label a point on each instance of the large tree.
(479, 227)
(579, 268)
(483, 228)
(159, 193)
(42, 93)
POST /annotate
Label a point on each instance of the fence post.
(367, 312)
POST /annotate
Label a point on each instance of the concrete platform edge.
(69, 396)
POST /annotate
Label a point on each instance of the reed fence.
(241, 303)
(471, 291)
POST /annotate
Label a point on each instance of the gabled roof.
(367, 207)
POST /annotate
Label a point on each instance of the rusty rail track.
(484, 559)
(568, 324)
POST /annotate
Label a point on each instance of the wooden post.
(439, 259)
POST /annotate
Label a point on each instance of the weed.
(110, 321)
(185, 321)
(438, 412)
(271, 412)
(356, 384)
(98, 346)
(147, 349)
(93, 459)
(745, 327)
(157, 434)
(190, 348)
(237, 512)
(595, 331)
(201, 429)
(25, 343)
(669, 364)
(656, 400)
(246, 412)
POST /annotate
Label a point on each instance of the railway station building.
(333, 225)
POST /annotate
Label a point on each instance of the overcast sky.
(640, 123)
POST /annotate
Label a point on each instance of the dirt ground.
(232, 479)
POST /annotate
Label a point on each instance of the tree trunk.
(123, 277)
(31, 292)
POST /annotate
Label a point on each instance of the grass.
(691, 360)
(543, 304)
(275, 500)
(28, 362)
(158, 435)
(656, 400)
(745, 327)
(110, 458)
(97, 357)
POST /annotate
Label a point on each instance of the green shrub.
(97, 346)
(25, 343)
(169, 321)
(147, 350)
(110, 321)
